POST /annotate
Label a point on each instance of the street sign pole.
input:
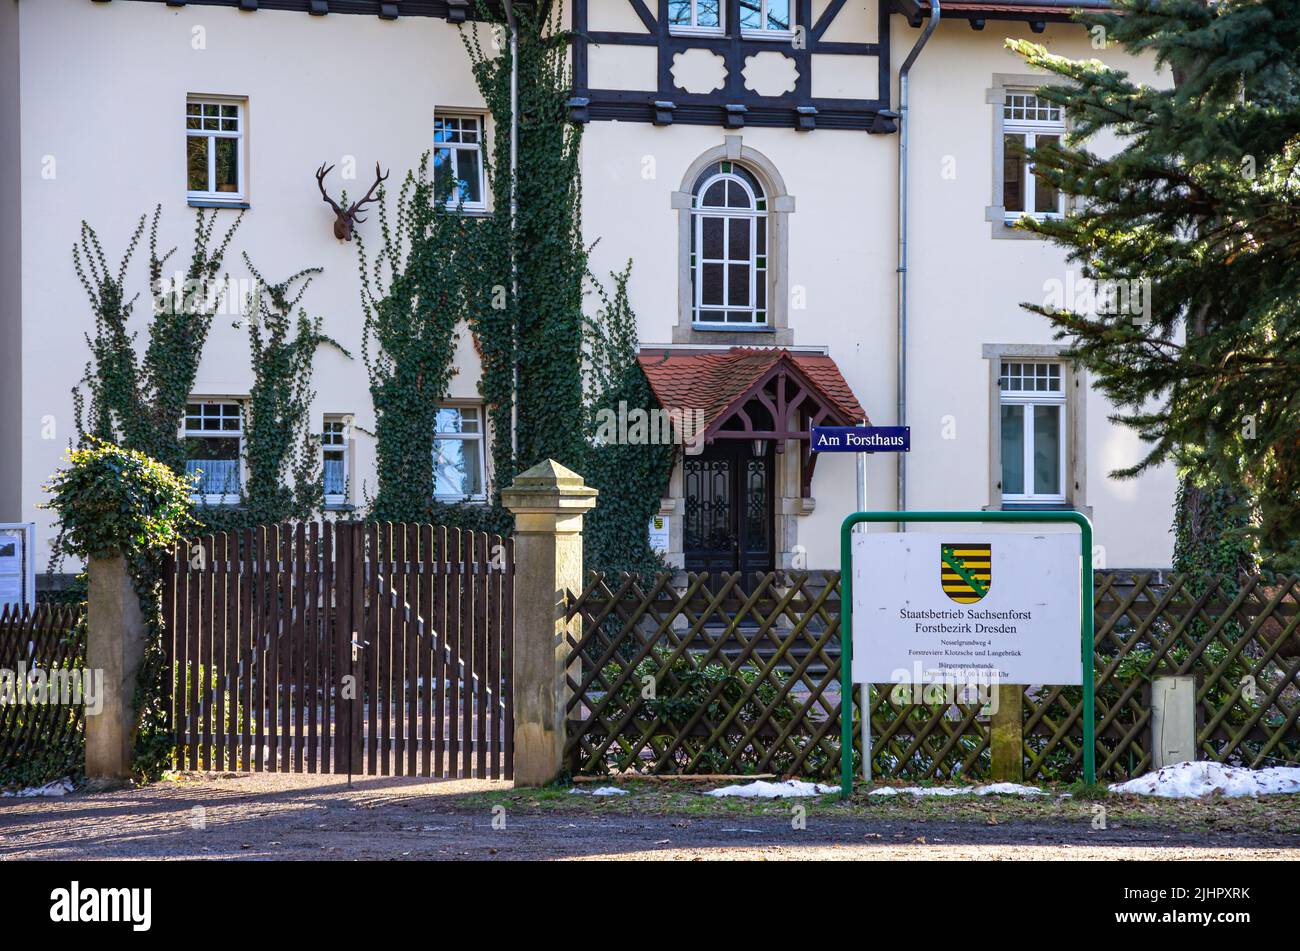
(846, 623)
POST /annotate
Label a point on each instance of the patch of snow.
(60, 787)
(600, 791)
(993, 789)
(1009, 789)
(764, 790)
(923, 791)
(1192, 780)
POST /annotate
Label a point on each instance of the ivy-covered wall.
(518, 278)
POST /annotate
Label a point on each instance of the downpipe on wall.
(513, 25)
(904, 123)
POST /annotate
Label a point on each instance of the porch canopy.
(747, 393)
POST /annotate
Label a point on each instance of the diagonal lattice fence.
(42, 658)
(732, 674)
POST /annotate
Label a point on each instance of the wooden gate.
(342, 647)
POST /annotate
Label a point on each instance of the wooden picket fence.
(41, 741)
(343, 647)
(741, 675)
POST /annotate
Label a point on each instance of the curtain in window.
(219, 476)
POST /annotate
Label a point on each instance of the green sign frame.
(996, 517)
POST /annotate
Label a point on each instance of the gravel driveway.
(290, 816)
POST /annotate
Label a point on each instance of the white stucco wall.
(966, 289)
(103, 88)
(11, 359)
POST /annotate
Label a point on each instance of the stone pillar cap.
(549, 486)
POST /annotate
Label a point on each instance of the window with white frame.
(1033, 410)
(767, 18)
(458, 454)
(334, 459)
(213, 434)
(1029, 122)
(695, 15)
(729, 248)
(458, 161)
(214, 149)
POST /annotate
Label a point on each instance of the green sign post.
(846, 620)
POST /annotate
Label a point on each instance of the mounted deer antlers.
(344, 221)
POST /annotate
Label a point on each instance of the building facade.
(744, 155)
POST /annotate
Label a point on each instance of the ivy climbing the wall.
(543, 322)
(631, 477)
(419, 284)
(127, 412)
(518, 281)
(568, 369)
(138, 401)
(281, 450)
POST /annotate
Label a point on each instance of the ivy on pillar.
(119, 510)
(548, 502)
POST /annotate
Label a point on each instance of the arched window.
(729, 248)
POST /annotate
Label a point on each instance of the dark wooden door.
(729, 509)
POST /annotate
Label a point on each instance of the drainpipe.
(862, 478)
(903, 125)
(514, 212)
(864, 690)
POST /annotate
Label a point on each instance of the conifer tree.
(1201, 206)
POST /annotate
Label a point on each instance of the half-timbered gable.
(800, 64)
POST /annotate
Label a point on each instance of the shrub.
(112, 501)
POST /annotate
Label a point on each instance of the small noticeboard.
(861, 439)
(948, 607)
(18, 563)
(658, 536)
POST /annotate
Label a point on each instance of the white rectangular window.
(1029, 122)
(1033, 410)
(459, 459)
(458, 161)
(703, 16)
(214, 149)
(334, 459)
(767, 18)
(213, 436)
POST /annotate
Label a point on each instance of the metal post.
(865, 702)
(846, 655)
(1086, 649)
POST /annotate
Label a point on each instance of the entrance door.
(729, 507)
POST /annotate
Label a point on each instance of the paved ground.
(279, 816)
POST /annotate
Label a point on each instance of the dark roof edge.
(1056, 11)
(453, 10)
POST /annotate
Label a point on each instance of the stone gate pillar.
(548, 502)
(115, 642)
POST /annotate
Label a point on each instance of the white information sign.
(959, 608)
(17, 567)
(659, 533)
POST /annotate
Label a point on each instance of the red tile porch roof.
(973, 6)
(712, 381)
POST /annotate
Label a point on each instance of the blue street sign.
(862, 439)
